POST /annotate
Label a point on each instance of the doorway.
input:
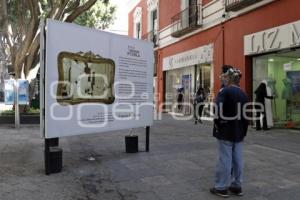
(204, 79)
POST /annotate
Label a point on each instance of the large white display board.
(95, 81)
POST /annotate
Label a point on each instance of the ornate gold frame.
(87, 57)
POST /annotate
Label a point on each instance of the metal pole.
(147, 138)
(17, 112)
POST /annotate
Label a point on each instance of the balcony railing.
(151, 36)
(235, 5)
(186, 21)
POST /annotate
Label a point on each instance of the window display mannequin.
(263, 96)
(271, 84)
(287, 90)
(287, 95)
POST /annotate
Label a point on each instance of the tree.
(100, 16)
(20, 19)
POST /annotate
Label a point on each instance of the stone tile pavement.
(179, 166)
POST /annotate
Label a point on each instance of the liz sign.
(281, 37)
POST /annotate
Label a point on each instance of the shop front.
(276, 61)
(281, 71)
(184, 74)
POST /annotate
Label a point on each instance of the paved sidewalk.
(179, 166)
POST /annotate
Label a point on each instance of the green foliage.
(45, 8)
(99, 16)
(17, 8)
(29, 111)
(19, 24)
(7, 112)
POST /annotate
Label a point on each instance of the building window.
(188, 19)
(236, 5)
(137, 19)
(152, 19)
(138, 30)
(154, 25)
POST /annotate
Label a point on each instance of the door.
(204, 80)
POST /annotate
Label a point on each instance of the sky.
(121, 23)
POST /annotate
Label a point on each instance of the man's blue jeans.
(230, 165)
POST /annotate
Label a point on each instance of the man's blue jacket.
(230, 122)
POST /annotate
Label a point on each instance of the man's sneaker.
(222, 193)
(236, 191)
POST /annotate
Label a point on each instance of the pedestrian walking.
(199, 104)
(179, 100)
(230, 128)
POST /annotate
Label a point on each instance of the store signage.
(203, 54)
(281, 37)
(95, 81)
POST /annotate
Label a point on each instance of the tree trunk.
(32, 55)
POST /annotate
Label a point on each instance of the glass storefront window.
(281, 72)
(204, 79)
(188, 79)
(179, 80)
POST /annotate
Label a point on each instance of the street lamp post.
(17, 112)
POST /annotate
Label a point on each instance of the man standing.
(230, 128)
(199, 104)
(179, 100)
